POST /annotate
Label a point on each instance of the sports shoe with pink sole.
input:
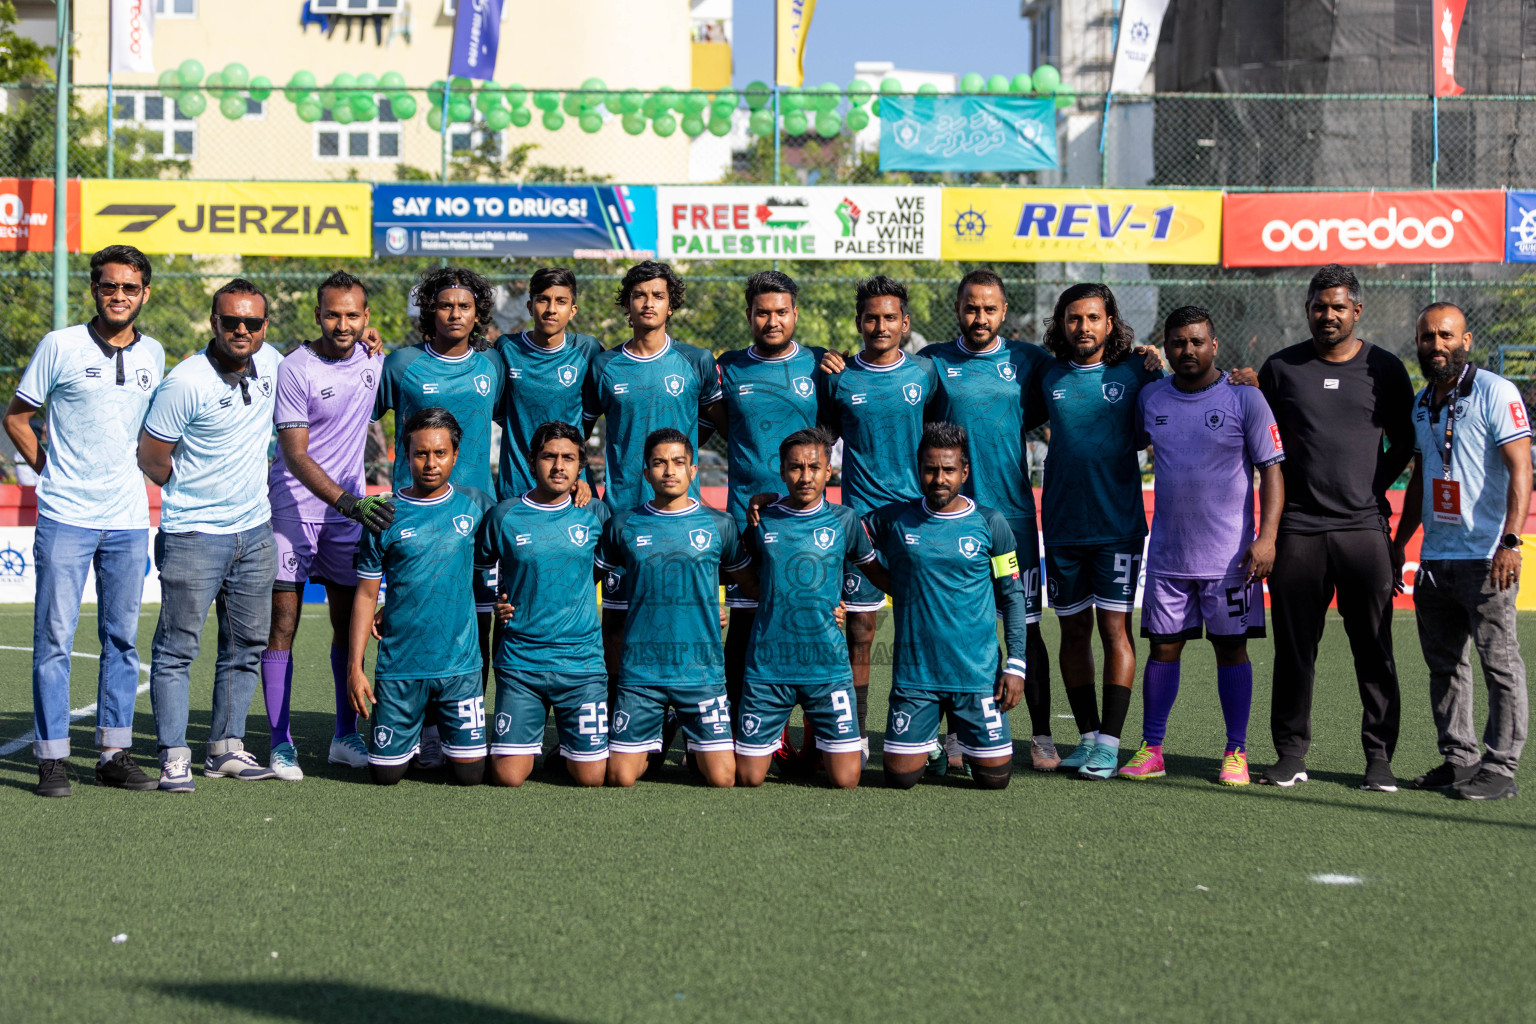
(1234, 769)
(1146, 763)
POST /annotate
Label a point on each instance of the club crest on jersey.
(1007, 371)
(1113, 391)
(803, 386)
(382, 735)
(913, 393)
(369, 379)
(144, 379)
(1215, 418)
(621, 721)
(503, 723)
(750, 724)
(901, 721)
(612, 581)
(578, 534)
(290, 561)
(265, 384)
(566, 375)
(824, 537)
(850, 583)
(700, 539)
(482, 384)
(674, 384)
(464, 524)
(969, 546)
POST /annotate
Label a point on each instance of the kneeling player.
(550, 654)
(671, 551)
(950, 565)
(429, 651)
(1204, 565)
(797, 654)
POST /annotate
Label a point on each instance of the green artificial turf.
(1056, 900)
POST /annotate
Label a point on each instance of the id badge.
(1446, 502)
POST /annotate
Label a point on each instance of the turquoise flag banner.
(967, 133)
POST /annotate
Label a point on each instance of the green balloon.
(365, 108)
(591, 122)
(169, 81)
(303, 80)
(460, 112)
(328, 98)
(435, 118)
(999, 84)
(795, 123)
(488, 100)
(666, 97)
(721, 111)
(664, 125)
(634, 123)
(214, 83)
(720, 126)
(859, 92)
(389, 81)
(693, 125)
(761, 122)
(1064, 97)
(516, 95)
(614, 103)
(593, 85)
(498, 119)
(890, 86)
(728, 96)
(828, 124)
(830, 94)
(368, 80)
(436, 88)
(858, 119)
(573, 104)
(190, 71)
(522, 117)
(192, 103)
(874, 108)
(972, 83)
(758, 96)
(546, 100)
(652, 107)
(1022, 83)
(792, 100)
(235, 74)
(344, 82)
(309, 111)
(553, 120)
(404, 105)
(632, 101)
(1045, 78)
(343, 114)
(232, 107)
(927, 89)
(693, 102)
(460, 84)
(261, 88)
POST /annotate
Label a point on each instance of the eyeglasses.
(131, 291)
(232, 323)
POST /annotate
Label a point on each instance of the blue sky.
(959, 36)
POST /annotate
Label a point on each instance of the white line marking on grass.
(74, 716)
(1329, 879)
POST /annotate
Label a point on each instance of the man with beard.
(1474, 446)
(96, 380)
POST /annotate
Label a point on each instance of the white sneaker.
(285, 762)
(431, 753)
(350, 750)
(236, 764)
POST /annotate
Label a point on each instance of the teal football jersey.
(1092, 492)
(671, 563)
(427, 561)
(546, 555)
(539, 386)
(468, 386)
(986, 393)
(800, 557)
(640, 395)
(878, 412)
(766, 400)
(942, 569)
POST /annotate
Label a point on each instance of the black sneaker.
(1379, 777)
(53, 778)
(1486, 785)
(1285, 772)
(1444, 776)
(120, 772)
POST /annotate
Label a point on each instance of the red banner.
(26, 215)
(1293, 229)
(1447, 27)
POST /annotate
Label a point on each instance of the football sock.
(902, 780)
(1234, 685)
(861, 700)
(992, 776)
(1159, 689)
(386, 774)
(470, 773)
(1085, 708)
(276, 684)
(346, 718)
(1117, 702)
(1037, 683)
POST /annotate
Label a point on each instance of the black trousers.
(1309, 570)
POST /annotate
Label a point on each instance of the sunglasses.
(232, 323)
(131, 291)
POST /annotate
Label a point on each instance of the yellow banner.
(793, 26)
(236, 217)
(1116, 225)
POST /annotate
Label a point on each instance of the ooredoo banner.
(807, 222)
(1293, 229)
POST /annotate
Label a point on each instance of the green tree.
(21, 59)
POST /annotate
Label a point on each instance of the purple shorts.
(323, 552)
(1175, 608)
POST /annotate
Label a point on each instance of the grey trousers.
(1457, 607)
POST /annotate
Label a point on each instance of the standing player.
(797, 654)
(671, 551)
(550, 651)
(317, 486)
(542, 373)
(427, 657)
(1204, 564)
(950, 565)
(769, 391)
(1092, 506)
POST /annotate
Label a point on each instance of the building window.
(378, 139)
(175, 8)
(172, 134)
(354, 6)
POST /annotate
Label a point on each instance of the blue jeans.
(63, 556)
(233, 572)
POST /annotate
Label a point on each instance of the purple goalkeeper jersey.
(334, 399)
(1205, 447)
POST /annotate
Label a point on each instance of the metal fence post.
(61, 175)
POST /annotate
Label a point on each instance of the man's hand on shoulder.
(832, 362)
(1245, 376)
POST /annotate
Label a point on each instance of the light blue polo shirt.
(1489, 414)
(219, 466)
(91, 477)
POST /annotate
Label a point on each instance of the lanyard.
(1450, 422)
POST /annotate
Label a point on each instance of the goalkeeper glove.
(375, 511)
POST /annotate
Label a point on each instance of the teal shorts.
(703, 711)
(765, 708)
(523, 700)
(912, 725)
(456, 704)
(1093, 575)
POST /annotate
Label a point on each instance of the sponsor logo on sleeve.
(1517, 413)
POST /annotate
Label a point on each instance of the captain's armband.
(1005, 565)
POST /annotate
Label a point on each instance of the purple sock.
(1234, 685)
(346, 718)
(1159, 689)
(276, 685)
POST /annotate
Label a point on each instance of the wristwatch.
(1510, 542)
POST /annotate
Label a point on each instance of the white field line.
(74, 716)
